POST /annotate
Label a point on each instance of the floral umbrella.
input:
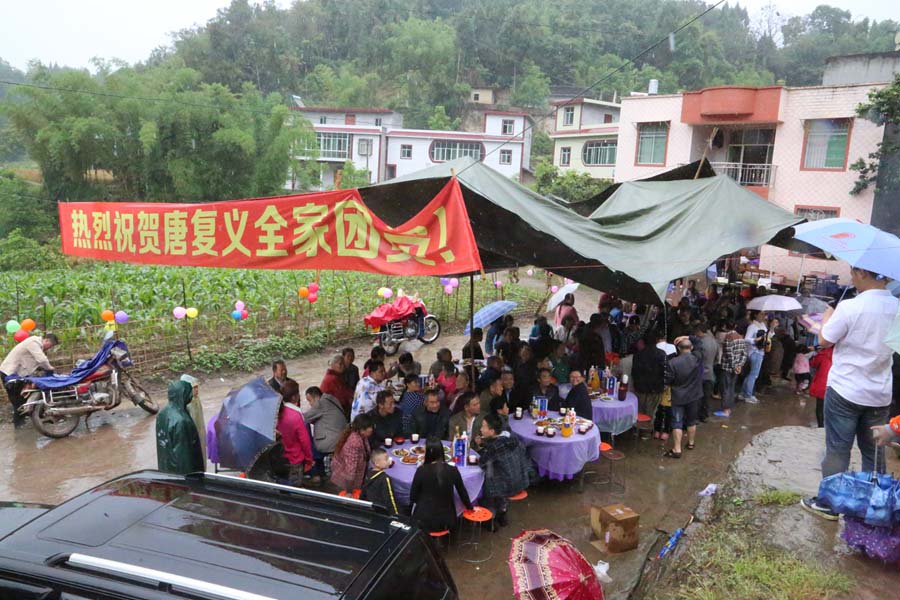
(546, 566)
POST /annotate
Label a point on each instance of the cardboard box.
(616, 526)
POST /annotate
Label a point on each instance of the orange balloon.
(28, 324)
(303, 292)
(108, 315)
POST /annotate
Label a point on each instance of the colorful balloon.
(110, 326)
(445, 280)
(313, 298)
(245, 313)
(21, 335)
(530, 272)
(569, 281)
(28, 324)
(236, 315)
(388, 292)
(554, 288)
(303, 292)
(448, 289)
(239, 306)
(314, 288)
(12, 326)
(107, 315)
(192, 313)
(178, 312)
(498, 284)
(121, 316)
(454, 282)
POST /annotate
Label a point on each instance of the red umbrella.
(546, 566)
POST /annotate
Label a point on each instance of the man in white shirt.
(859, 390)
(24, 360)
(367, 389)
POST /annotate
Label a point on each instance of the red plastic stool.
(520, 496)
(438, 536)
(470, 549)
(642, 418)
(355, 494)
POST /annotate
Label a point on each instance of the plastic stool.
(612, 456)
(520, 496)
(471, 549)
(437, 536)
(355, 494)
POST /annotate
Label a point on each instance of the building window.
(406, 151)
(599, 152)
(444, 150)
(364, 147)
(323, 120)
(333, 145)
(652, 138)
(825, 144)
(349, 119)
(607, 118)
(377, 121)
(568, 115)
(506, 157)
(476, 97)
(508, 126)
(565, 156)
(814, 213)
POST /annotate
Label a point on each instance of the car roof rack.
(165, 581)
(265, 485)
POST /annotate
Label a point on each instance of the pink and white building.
(375, 140)
(792, 146)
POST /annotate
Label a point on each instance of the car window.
(416, 573)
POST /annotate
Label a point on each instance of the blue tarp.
(55, 382)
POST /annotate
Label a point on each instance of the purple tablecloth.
(616, 417)
(557, 457)
(402, 475)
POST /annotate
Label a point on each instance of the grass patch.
(728, 560)
(778, 498)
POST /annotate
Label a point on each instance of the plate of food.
(410, 460)
(400, 452)
(606, 398)
(417, 450)
(543, 422)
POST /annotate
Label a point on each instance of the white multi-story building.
(585, 137)
(375, 140)
(791, 146)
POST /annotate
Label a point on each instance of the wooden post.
(337, 179)
(709, 142)
(18, 308)
(472, 310)
(187, 332)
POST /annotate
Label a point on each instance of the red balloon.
(21, 335)
(313, 298)
(245, 313)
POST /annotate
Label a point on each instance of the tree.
(571, 186)
(18, 252)
(24, 207)
(532, 89)
(541, 147)
(441, 121)
(11, 146)
(351, 177)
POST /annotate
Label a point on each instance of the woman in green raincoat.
(178, 447)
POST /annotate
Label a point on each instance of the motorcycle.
(56, 402)
(403, 321)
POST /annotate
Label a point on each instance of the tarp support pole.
(472, 313)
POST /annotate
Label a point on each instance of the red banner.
(327, 230)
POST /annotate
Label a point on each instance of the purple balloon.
(121, 317)
(445, 281)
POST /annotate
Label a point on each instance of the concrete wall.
(861, 68)
(650, 109)
(577, 164)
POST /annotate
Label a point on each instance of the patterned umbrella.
(545, 566)
(491, 313)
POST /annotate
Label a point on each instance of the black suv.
(153, 535)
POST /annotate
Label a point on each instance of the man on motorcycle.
(23, 361)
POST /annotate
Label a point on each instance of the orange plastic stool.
(437, 534)
(520, 496)
(471, 550)
(355, 494)
(642, 418)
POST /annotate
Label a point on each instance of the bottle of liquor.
(623, 388)
(594, 379)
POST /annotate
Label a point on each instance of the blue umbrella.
(491, 313)
(861, 245)
(245, 427)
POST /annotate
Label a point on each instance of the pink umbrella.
(546, 566)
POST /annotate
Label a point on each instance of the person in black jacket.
(507, 470)
(431, 493)
(579, 398)
(386, 419)
(648, 369)
(684, 375)
(432, 418)
(377, 488)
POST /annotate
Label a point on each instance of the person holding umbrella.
(565, 309)
(858, 396)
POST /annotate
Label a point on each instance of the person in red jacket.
(821, 362)
(294, 434)
(333, 383)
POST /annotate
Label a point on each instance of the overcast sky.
(71, 32)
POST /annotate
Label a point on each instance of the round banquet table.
(558, 457)
(402, 475)
(612, 416)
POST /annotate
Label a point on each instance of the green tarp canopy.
(643, 237)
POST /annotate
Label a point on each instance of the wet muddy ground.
(662, 490)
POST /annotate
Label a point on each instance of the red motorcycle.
(404, 320)
(56, 402)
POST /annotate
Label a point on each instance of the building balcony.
(751, 175)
